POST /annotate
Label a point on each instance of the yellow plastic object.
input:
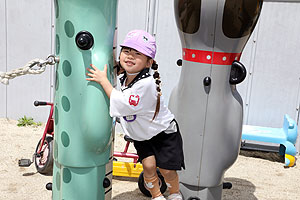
(127, 169)
(291, 160)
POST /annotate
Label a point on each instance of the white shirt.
(135, 105)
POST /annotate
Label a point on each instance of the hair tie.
(156, 75)
(154, 66)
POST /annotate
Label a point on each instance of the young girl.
(143, 114)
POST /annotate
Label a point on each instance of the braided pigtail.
(158, 84)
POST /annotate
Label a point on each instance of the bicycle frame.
(128, 169)
(125, 154)
(49, 129)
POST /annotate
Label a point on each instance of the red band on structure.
(210, 57)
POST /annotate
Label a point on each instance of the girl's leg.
(171, 178)
(150, 176)
(172, 181)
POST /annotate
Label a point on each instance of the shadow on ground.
(241, 190)
(270, 156)
(122, 178)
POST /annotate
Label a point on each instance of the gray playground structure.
(213, 34)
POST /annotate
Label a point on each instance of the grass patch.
(28, 121)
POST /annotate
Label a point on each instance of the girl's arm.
(100, 77)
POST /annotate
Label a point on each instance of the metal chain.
(29, 68)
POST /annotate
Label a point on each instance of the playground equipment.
(213, 34)
(83, 127)
(43, 157)
(284, 137)
(128, 169)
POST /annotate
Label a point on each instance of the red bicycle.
(43, 155)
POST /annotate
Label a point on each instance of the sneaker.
(159, 198)
(175, 196)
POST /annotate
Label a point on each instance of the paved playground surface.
(253, 178)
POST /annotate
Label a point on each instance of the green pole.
(82, 140)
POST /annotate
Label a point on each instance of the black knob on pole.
(106, 183)
(179, 62)
(207, 81)
(84, 40)
(207, 84)
(49, 186)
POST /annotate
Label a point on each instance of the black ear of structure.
(238, 73)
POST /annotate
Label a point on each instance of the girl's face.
(133, 61)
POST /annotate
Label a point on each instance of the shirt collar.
(143, 74)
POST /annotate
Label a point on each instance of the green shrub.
(27, 121)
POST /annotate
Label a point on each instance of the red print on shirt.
(134, 100)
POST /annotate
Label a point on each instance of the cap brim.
(138, 48)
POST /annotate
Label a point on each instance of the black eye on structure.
(187, 13)
(84, 40)
(240, 17)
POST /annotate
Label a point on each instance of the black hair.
(158, 89)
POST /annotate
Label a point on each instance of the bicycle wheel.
(143, 188)
(44, 161)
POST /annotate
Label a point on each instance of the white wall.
(271, 89)
(169, 47)
(273, 85)
(2, 56)
(28, 34)
(131, 15)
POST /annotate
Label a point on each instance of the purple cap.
(141, 41)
